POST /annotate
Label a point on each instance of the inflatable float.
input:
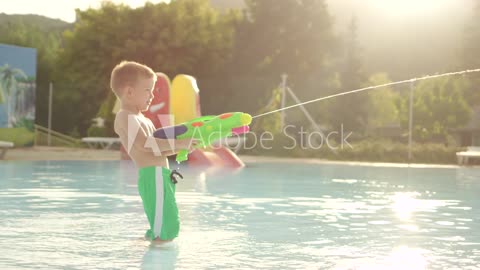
(177, 103)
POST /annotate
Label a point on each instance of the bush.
(94, 131)
(20, 136)
(367, 150)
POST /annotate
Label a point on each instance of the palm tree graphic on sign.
(8, 86)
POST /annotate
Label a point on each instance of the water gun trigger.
(182, 155)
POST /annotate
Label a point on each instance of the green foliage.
(350, 110)
(382, 103)
(284, 36)
(439, 107)
(272, 122)
(41, 138)
(42, 22)
(367, 151)
(274, 37)
(95, 131)
(385, 151)
(105, 112)
(470, 58)
(184, 36)
(20, 136)
(25, 123)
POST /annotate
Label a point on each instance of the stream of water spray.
(371, 87)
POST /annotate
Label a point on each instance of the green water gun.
(206, 130)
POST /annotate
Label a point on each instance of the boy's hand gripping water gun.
(206, 130)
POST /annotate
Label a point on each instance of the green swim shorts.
(158, 197)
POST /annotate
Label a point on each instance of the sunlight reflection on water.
(88, 215)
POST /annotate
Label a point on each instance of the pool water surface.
(270, 215)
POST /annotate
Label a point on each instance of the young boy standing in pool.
(133, 84)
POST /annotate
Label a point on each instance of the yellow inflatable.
(184, 99)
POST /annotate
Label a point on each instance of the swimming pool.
(271, 215)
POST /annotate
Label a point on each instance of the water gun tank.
(185, 106)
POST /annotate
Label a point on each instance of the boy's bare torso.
(135, 132)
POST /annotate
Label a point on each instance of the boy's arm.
(136, 136)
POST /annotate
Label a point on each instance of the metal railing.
(56, 138)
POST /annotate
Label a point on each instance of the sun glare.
(404, 204)
(407, 8)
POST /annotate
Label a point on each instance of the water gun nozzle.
(246, 119)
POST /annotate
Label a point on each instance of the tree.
(350, 110)
(284, 36)
(271, 38)
(471, 56)
(184, 36)
(270, 123)
(382, 103)
(439, 106)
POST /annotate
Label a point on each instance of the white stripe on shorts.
(157, 225)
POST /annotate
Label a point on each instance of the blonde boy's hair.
(127, 73)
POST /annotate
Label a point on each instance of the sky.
(59, 9)
(65, 9)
